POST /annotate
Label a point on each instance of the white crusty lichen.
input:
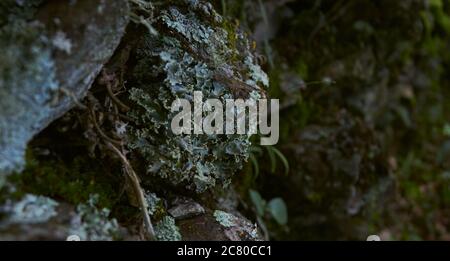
(167, 230)
(62, 43)
(153, 202)
(236, 228)
(92, 223)
(30, 209)
(194, 51)
(224, 218)
(256, 73)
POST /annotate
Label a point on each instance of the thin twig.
(99, 130)
(138, 191)
(115, 99)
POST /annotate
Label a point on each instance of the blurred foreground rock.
(41, 218)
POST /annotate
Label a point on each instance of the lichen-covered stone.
(236, 228)
(224, 218)
(35, 217)
(29, 210)
(49, 48)
(27, 82)
(41, 218)
(193, 51)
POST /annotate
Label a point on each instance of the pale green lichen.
(166, 230)
(186, 56)
(224, 218)
(153, 202)
(157, 211)
(30, 209)
(256, 73)
(94, 224)
(236, 228)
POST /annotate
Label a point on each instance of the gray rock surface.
(51, 53)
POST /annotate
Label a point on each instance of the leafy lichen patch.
(92, 223)
(166, 230)
(189, 54)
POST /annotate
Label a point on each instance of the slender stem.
(138, 191)
(115, 99)
(99, 130)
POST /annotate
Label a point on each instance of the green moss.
(72, 181)
(232, 38)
